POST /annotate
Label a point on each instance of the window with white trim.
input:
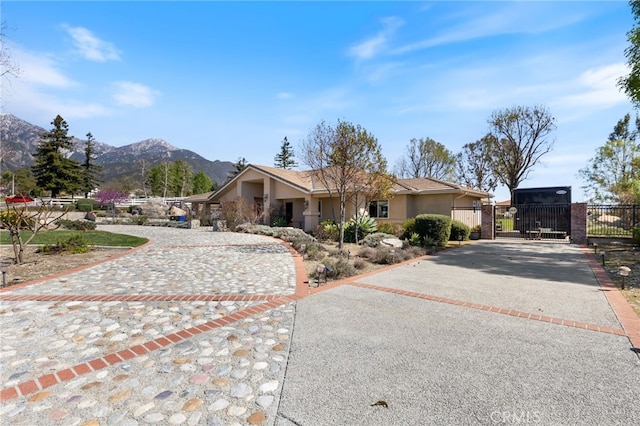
(379, 209)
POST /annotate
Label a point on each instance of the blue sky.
(232, 79)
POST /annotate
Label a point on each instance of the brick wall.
(487, 231)
(579, 223)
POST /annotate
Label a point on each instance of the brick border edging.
(628, 318)
(40, 383)
(495, 309)
(270, 301)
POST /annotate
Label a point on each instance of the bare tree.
(7, 64)
(343, 158)
(426, 158)
(18, 217)
(521, 137)
(474, 168)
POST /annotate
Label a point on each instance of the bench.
(546, 233)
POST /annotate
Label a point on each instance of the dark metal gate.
(533, 221)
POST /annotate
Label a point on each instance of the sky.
(230, 80)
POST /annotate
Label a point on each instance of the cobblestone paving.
(230, 374)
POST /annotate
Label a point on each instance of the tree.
(630, 84)
(473, 167)
(238, 166)
(343, 158)
(110, 197)
(90, 170)
(612, 175)
(17, 218)
(21, 181)
(158, 179)
(7, 65)
(202, 183)
(52, 169)
(181, 176)
(521, 138)
(285, 158)
(144, 166)
(426, 158)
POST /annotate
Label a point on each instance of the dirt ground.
(38, 265)
(617, 255)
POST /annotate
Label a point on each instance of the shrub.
(415, 240)
(280, 221)
(635, 235)
(75, 244)
(359, 264)
(459, 231)
(435, 226)
(365, 225)
(140, 220)
(327, 231)
(309, 249)
(340, 266)
(85, 205)
(408, 228)
(235, 212)
(390, 228)
(9, 218)
(77, 225)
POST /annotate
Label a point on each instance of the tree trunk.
(343, 203)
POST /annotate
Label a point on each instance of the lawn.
(93, 238)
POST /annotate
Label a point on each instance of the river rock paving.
(227, 375)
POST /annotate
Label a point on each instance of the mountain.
(19, 141)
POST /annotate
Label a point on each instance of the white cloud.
(284, 95)
(374, 45)
(134, 94)
(90, 46)
(40, 69)
(597, 88)
(509, 18)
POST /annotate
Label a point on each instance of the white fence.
(129, 202)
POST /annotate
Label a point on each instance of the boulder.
(392, 242)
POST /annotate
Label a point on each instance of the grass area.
(94, 238)
(507, 223)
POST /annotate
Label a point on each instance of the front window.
(379, 209)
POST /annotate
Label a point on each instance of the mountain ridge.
(20, 140)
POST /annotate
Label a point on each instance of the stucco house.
(305, 201)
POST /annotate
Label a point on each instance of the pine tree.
(285, 158)
(90, 170)
(52, 169)
(238, 166)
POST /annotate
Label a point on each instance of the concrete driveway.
(491, 333)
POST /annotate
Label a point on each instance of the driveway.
(219, 328)
(490, 333)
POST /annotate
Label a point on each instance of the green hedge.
(86, 205)
(433, 227)
(459, 231)
(77, 225)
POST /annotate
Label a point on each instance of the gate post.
(487, 226)
(579, 223)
